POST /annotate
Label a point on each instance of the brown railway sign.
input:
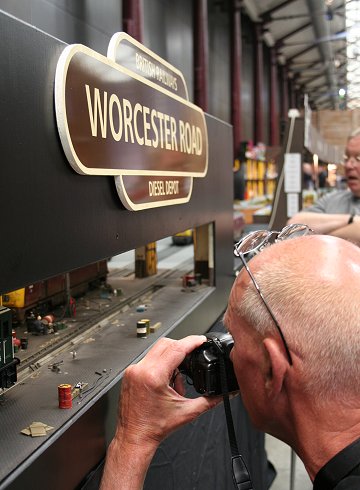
(129, 53)
(114, 121)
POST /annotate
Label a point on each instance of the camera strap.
(240, 473)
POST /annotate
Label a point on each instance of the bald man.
(338, 213)
(308, 396)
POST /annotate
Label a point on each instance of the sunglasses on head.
(254, 243)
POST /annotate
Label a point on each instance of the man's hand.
(151, 406)
(349, 232)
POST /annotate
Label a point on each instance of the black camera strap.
(241, 476)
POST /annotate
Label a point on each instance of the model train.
(47, 294)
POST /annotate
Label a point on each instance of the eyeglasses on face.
(254, 243)
(355, 159)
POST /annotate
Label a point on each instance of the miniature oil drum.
(65, 396)
(49, 318)
(147, 325)
(188, 280)
(141, 328)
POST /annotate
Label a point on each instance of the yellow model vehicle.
(183, 238)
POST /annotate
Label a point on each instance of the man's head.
(352, 162)
(312, 286)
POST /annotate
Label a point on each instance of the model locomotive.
(8, 362)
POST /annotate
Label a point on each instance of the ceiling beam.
(328, 14)
(251, 10)
(309, 80)
(333, 38)
(312, 63)
(292, 33)
(300, 53)
(266, 16)
(309, 63)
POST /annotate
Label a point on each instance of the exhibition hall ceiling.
(319, 42)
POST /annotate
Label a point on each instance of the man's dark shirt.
(342, 472)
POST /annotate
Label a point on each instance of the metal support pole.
(259, 86)
(285, 93)
(132, 18)
(236, 54)
(201, 54)
(292, 470)
(274, 112)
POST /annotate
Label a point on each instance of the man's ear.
(278, 365)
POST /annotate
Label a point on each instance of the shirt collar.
(338, 467)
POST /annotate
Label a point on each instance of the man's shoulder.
(337, 195)
(349, 483)
(332, 202)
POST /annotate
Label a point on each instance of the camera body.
(203, 366)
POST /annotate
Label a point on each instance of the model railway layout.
(92, 308)
(47, 316)
(89, 354)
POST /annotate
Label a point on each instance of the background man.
(338, 213)
(308, 396)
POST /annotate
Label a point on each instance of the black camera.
(203, 365)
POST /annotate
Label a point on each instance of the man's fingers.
(173, 356)
(191, 342)
(168, 354)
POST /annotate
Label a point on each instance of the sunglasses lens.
(251, 242)
(293, 231)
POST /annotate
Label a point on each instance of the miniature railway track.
(86, 326)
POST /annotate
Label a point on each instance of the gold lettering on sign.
(140, 124)
(163, 188)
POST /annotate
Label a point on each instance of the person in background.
(308, 177)
(299, 383)
(338, 213)
(322, 176)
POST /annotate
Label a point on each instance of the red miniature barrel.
(49, 318)
(65, 396)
